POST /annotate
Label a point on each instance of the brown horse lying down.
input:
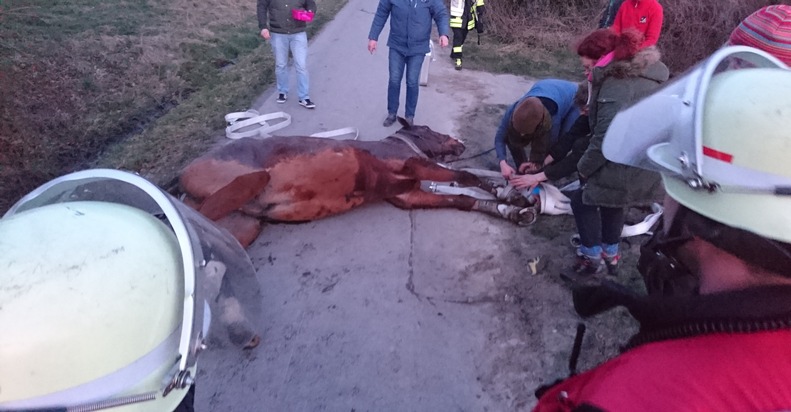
(295, 179)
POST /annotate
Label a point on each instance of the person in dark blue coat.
(410, 31)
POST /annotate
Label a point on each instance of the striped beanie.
(768, 29)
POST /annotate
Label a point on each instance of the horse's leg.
(234, 195)
(423, 169)
(243, 227)
(418, 199)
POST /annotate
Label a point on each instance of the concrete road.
(382, 309)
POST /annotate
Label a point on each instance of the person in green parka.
(609, 188)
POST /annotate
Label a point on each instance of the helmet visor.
(203, 246)
(662, 132)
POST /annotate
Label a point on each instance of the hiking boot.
(307, 104)
(410, 121)
(389, 120)
(458, 64)
(611, 262)
(586, 265)
(281, 98)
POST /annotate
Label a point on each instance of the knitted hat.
(768, 29)
(530, 121)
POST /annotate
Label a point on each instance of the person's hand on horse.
(265, 34)
(506, 170)
(529, 167)
(527, 181)
(372, 46)
(443, 41)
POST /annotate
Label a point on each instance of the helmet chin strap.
(664, 273)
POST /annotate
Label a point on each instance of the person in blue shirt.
(410, 31)
(537, 119)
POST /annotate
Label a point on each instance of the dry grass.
(691, 31)
(90, 82)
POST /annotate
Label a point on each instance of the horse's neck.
(407, 140)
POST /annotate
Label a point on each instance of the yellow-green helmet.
(721, 137)
(101, 304)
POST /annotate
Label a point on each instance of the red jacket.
(717, 372)
(644, 15)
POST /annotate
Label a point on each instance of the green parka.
(616, 86)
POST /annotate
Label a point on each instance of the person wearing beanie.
(537, 119)
(768, 29)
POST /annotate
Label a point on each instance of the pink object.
(302, 15)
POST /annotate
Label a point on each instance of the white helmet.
(101, 296)
(721, 137)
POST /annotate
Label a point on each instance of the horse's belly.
(312, 186)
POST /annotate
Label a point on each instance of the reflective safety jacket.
(465, 13)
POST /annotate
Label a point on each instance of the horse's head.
(433, 144)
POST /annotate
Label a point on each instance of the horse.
(300, 178)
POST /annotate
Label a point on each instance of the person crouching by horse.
(537, 119)
(609, 188)
(566, 152)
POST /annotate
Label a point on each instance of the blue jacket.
(559, 91)
(410, 24)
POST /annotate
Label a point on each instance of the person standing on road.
(465, 15)
(410, 32)
(645, 16)
(283, 23)
(537, 119)
(608, 188)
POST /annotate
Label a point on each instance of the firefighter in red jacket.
(715, 330)
(465, 15)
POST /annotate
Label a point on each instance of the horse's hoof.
(524, 217)
(253, 342)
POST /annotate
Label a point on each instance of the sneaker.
(587, 266)
(307, 104)
(389, 120)
(612, 263)
(281, 98)
(458, 64)
(410, 121)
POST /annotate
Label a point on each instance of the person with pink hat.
(768, 29)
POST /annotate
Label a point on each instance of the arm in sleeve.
(441, 18)
(499, 137)
(382, 12)
(593, 158)
(654, 26)
(262, 12)
(563, 146)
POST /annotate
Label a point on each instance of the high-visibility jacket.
(464, 13)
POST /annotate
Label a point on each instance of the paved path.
(378, 309)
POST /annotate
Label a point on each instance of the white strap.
(645, 226)
(333, 134)
(256, 125)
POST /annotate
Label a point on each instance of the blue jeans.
(599, 227)
(297, 43)
(413, 64)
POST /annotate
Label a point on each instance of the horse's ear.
(403, 122)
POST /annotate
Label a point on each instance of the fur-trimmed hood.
(646, 63)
